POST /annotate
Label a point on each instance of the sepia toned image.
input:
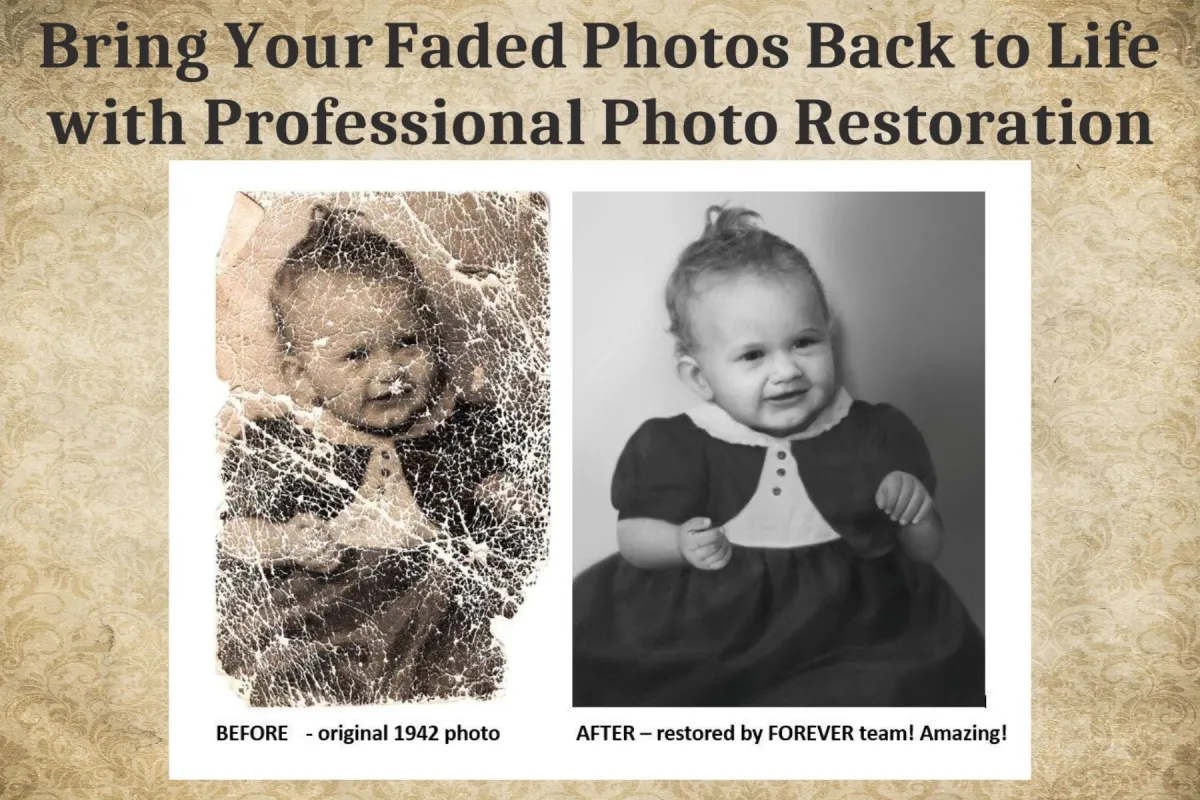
(384, 444)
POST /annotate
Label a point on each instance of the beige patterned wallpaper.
(83, 354)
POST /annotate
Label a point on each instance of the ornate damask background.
(83, 355)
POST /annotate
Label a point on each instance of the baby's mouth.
(787, 398)
(392, 394)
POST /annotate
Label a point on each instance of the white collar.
(715, 421)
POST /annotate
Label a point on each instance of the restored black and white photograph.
(384, 444)
(778, 449)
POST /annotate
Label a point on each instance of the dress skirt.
(809, 626)
(385, 626)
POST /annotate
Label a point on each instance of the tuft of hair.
(338, 243)
(734, 242)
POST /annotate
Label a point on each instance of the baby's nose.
(390, 370)
(785, 368)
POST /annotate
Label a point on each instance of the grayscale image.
(385, 442)
(778, 449)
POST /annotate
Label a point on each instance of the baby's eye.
(405, 342)
(806, 342)
(477, 271)
(357, 354)
(751, 355)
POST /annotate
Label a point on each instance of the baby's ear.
(691, 374)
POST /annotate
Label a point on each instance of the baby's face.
(363, 349)
(764, 350)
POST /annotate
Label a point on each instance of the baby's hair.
(338, 243)
(733, 242)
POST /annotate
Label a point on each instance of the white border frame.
(538, 726)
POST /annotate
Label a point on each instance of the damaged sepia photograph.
(384, 445)
(778, 449)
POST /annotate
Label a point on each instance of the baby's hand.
(702, 546)
(303, 541)
(903, 498)
(504, 497)
(393, 522)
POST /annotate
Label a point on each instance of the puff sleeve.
(277, 470)
(905, 447)
(661, 474)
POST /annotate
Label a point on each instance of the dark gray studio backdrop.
(905, 276)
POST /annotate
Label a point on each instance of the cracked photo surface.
(384, 446)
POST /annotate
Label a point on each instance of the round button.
(777, 491)
(385, 455)
(781, 472)
(782, 455)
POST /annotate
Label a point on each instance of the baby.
(361, 352)
(365, 530)
(758, 561)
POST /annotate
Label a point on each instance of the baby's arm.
(662, 475)
(503, 495)
(302, 540)
(923, 540)
(909, 504)
(649, 543)
(266, 520)
(654, 544)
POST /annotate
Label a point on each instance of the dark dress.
(851, 621)
(385, 624)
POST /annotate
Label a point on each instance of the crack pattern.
(385, 442)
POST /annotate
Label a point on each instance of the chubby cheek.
(751, 390)
(822, 370)
(344, 380)
(422, 370)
